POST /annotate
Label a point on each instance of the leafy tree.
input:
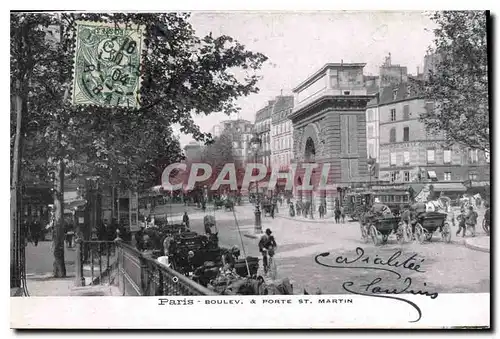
(459, 84)
(217, 153)
(183, 74)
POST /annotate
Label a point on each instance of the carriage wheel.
(384, 238)
(419, 233)
(408, 233)
(400, 233)
(428, 236)
(364, 235)
(446, 233)
(486, 227)
(373, 233)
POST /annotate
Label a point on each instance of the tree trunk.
(15, 234)
(58, 235)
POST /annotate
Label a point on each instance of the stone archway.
(309, 151)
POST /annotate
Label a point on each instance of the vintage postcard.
(261, 170)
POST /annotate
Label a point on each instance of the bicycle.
(271, 269)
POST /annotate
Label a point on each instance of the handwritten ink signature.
(376, 286)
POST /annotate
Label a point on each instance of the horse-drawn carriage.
(378, 229)
(429, 223)
(267, 208)
(227, 204)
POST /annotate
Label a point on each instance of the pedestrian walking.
(321, 211)
(185, 219)
(298, 208)
(471, 220)
(70, 232)
(342, 213)
(35, 232)
(139, 239)
(337, 215)
(292, 210)
(461, 223)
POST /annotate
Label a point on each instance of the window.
(406, 134)
(406, 176)
(447, 156)
(235, 144)
(371, 150)
(393, 114)
(394, 176)
(487, 157)
(472, 176)
(406, 158)
(431, 156)
(392, 136)
(394, 94)
(406, 112)
(369, 115)
(369, 132)
(473, 156)
(393, 159)
(447, 176)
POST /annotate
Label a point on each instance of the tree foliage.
(184, 75)
(459, 83)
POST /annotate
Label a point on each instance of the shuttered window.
(392, 137)
(406, 112)
(406, 134)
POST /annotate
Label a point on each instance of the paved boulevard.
(447, 268)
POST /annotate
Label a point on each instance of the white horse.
(436, 206)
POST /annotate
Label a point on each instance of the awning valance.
(449, 187)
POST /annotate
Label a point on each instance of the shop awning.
(431, 175)
(449, 187)
(474, 184)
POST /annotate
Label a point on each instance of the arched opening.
(310, 151)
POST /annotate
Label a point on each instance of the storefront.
(474, 187)
(452, 190)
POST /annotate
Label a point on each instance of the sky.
(299, 43)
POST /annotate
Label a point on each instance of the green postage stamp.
(107, 65)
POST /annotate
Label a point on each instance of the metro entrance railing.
(134, 272)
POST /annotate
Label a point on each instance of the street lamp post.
(371, 162)
(256, 143)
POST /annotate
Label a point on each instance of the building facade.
(329, 127)
(240, 131)
(392, 74)
(410, 153)
(282, 133)
(262, 127)
(372, 129)
(193, 151)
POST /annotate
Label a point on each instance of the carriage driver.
(417, 211)
(380, 210)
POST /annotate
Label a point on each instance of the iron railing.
(141, 275)
(96, 262)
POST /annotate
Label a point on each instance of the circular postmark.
(107, 63)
